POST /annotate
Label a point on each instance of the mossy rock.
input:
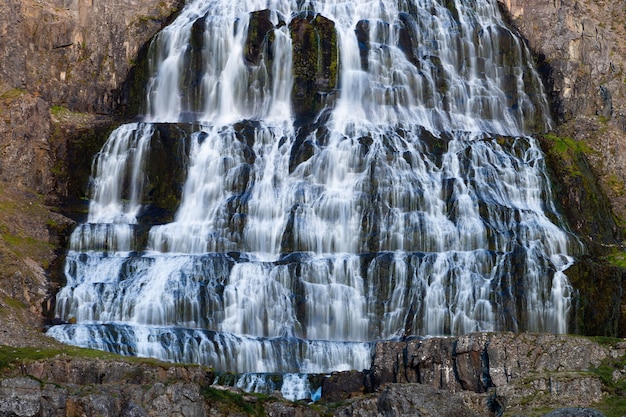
(260, 37)
(315, 63)
(598, 284)
(599, 298)
(165, 171)
(579, 194)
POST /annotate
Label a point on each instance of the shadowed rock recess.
(387, 209)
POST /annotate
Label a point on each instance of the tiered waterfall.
(311, 177)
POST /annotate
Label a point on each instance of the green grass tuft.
(12, 94)
(617, 259)
(11, 356)
(234, 400)
(563, 144)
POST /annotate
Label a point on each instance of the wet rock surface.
(315, 63)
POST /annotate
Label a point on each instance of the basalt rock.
(581, 53)
(260, 36)
(475, 375)
(599, 298)
(408, 400)
(507, 369)
(315, 63)
(342, 385)
(69, 54)
(167, 166)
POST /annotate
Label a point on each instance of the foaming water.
(413, 203)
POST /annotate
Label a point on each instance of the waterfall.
(349, 172)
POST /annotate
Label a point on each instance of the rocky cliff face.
(582, 55)
(63, 54)
(582, 46)
(75, 53)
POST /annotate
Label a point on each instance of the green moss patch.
(617, 259)
(16, 214)
(235, 401)
(12, 94)
(11, 356)
(569, 151)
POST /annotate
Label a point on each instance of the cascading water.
(351, 172)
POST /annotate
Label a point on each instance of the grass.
(232, 400)
(11, 356)
(563, 144)
(59, 111)
(615, 184)
(604, 340)
(614, 405)
(617, 259)
(17, 212)
(14, 303)
(569, 152)
(12, 94)
(24, 246)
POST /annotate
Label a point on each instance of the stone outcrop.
(408, 400)
(76, 387)
(581, 54)
(105, 388)
(582, 46)
(315, 63)
(492, 373)
(480, 374)
(25, 130)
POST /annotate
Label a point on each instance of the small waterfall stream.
(402, 195)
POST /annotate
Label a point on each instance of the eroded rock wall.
(75, 53)
(581, 52)
(63, 54)
(582, 43)
(492, 373)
